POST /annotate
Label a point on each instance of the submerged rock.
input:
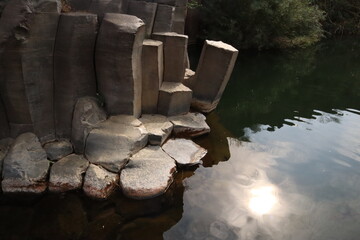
(148, 174)
(58, 149)
(99, 183)
(112, 142)
(25, 166)
(190, 124)
(67, 173)
(87, 114)
(185, 152)
(158, 127)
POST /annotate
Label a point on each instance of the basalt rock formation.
(104, 79)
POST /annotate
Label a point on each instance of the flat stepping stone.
(174, 99)
(67, 173)
(26, 166)
(58, 149)
(158, 127)
(185, 152)
(113, 141)
(99, 183)
(148, 174)
(190, 125)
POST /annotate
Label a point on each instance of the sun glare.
(262, 200)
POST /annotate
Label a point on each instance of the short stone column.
(118, 63)
(74, 66)
(164, 19)
(27, 37)
(212, 75)
(175, 46)
(146, 11)
(174, 99)
(152, 74)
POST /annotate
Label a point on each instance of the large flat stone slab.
(27, 36)
(158, 127)
(58, 149)
(175, 47)
(118, 63)
(25, 167)
(185, 152)
(189, 125)
(74, 69)
(67, 173)
(146, 11)
(113, 141)
(148, 174)
(99, 183)
(152, 74)
(174, 99)
(87, 114)
(212, 75)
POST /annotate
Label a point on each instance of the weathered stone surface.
(27, 37)
(212, 75)
(74, 72)
(180, 3)
(101, 7)
(5, 144)
(158, 127)
(179, 19)
(146, 11)
(189, 78)
(185, 152)
(152, 74)
(118, 63)
(189, 125)
(87, 114)
(164, 18)
(4, 124)
(99, 183)
(25, 166)
(148, 174)
(174, 99)
(112, 142)
(67, 173)
(58, 149)
(175, 46)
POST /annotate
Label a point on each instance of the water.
(283, 163)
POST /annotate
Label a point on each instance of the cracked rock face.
(67, 173)
(148, 174)
(25, 167)
(58, 149)
(189, 125)
(112, 142)
(158, 127)
(99, 183)
(185, 152)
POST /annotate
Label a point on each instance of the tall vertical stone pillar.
(146, 11)
(175, 46)
(27, 38)
(74, 66)
(118, 63)
(216, 63)
(152, 74)
(164, 19)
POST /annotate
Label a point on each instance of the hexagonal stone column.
(152, 74)
(164, 19)
(74, 66)
(146, 11)
(212, 74)
(175, 46)
(174, 99)
(118, 63)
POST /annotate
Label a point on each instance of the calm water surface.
(283, 164)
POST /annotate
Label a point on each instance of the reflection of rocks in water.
(215, 142)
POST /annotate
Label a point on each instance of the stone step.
(58, 149)
(174, 99)
(189, 125)
(152, 74)
(175, 47)
(158, 126)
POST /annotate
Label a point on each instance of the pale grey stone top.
(150, 42)
(170, 34)
(172, 87)
(220, 44)
(126, 23)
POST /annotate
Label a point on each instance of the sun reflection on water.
(262, 200)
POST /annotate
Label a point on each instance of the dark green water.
(283, 164)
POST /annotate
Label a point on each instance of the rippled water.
(283, 163)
